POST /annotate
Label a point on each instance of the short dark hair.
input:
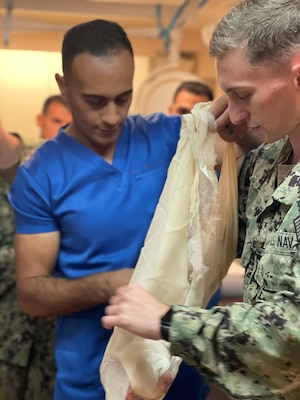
(195, 87)
(97, 37)
(57, 98)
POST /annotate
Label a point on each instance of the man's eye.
(95, 102)
(91, 99)
(122, 100)
(242, 96)
(182, 111)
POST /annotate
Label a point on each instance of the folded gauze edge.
(177, 262)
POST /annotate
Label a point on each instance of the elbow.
(29, 298)
(30, 306)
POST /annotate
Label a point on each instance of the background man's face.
(56, 116)
(185, 102)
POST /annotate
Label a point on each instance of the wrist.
(165, 324)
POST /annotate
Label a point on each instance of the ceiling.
(40, 24)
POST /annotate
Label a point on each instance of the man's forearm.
(50, 296)
(10, 149)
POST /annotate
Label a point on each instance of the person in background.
(27, 367)
(55, 113)
(187, 94)
(251, 349)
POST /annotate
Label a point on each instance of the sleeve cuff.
(165, 324)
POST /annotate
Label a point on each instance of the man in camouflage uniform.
(258, 343)
(27, 367)
(250, 349)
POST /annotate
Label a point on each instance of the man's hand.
(243, 138)
(225, 128)
(164, 383)
(135, 310)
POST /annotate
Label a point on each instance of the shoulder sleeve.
(160, 126)
(31, 204)
(169, 125)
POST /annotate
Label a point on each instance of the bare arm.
(10, 154)
(40, 294)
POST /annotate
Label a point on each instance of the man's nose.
(110, 114)
(237, 114)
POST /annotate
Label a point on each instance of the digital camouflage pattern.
(252, 349)
(27, 367)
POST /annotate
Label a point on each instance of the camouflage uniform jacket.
(252, 349)
(17, 330)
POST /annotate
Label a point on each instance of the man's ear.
(171, 110)
(296, 70)
(39, 120)
(61, 83)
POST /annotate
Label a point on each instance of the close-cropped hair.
(97, 37)
(194, 87)
(267, 30)
(57, 98)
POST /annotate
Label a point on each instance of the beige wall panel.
(27, 78)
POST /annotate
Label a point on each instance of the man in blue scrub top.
(83, 204)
